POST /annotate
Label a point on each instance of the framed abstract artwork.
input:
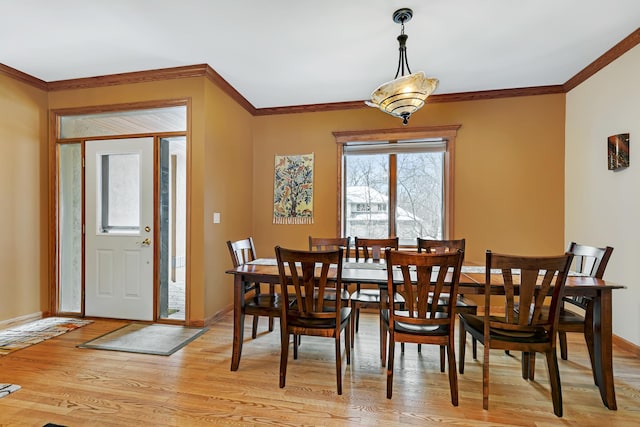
(293, 189)
(618, 151)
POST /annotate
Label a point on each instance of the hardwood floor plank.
(195, 387)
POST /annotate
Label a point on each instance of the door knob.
(146, 242)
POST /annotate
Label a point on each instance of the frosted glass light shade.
(403, 96)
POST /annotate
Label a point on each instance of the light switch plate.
(216, 217)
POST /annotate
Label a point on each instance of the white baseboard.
(4, 324)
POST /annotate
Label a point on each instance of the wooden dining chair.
(525, 282)
(463, 305)
(310, 273)
(422, 319)
(258, 303)
(591, 261)
(329, 244)
(367, 249)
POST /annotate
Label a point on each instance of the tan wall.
(509, 163)
(228, 178)
(210, 157)
(23, 190)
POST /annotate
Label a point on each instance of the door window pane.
(70, 227)
(173, 227)
(119, 193)
(165, 119)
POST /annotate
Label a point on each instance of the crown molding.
(129, 78)
(433, 99)
(205, 70)
(217, 79)
(310, 108)
(626, 44)
(23, 77)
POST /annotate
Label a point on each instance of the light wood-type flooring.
(194, 387)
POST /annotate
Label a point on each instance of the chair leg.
(382, 335)
(390, 368)
(284, 355)
(296, 342)
(338, 365)
(355, 312)
(562, 339)
(532, 366)
(347, 341)
(528, 365)
(384, 339)
(485, 378)
(462, 336)
(453, 376)
(554, 380)
(442, 361)
(474, 343)
(254, 331)
(272, 290)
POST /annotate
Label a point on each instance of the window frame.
(447, 133)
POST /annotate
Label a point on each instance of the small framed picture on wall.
(618, 151)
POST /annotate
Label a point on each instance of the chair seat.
(570, 317)
(371, 296)
(263, 302)
(567, 317)
(409, 328)
(320, 323)
(475, 325)
(330, 295)
(462, 304)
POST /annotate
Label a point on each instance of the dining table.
(472, 281)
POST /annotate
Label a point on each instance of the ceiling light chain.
(403, 60)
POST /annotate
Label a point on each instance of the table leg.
(238, 320)
(603, 347)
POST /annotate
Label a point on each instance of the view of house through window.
(394, 189)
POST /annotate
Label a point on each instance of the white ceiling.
(279, 53)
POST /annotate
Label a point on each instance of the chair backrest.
(241, 251)
(530, 279)
(329, 243)
(314, 273)
(590, 259)
(373, 248)
(440, 246)
(435, 274)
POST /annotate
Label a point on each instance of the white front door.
(119, 261)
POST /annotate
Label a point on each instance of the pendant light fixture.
(403, 95)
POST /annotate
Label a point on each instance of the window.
(397, 183)
(119, 193)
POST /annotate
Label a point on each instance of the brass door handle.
(146, 242)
